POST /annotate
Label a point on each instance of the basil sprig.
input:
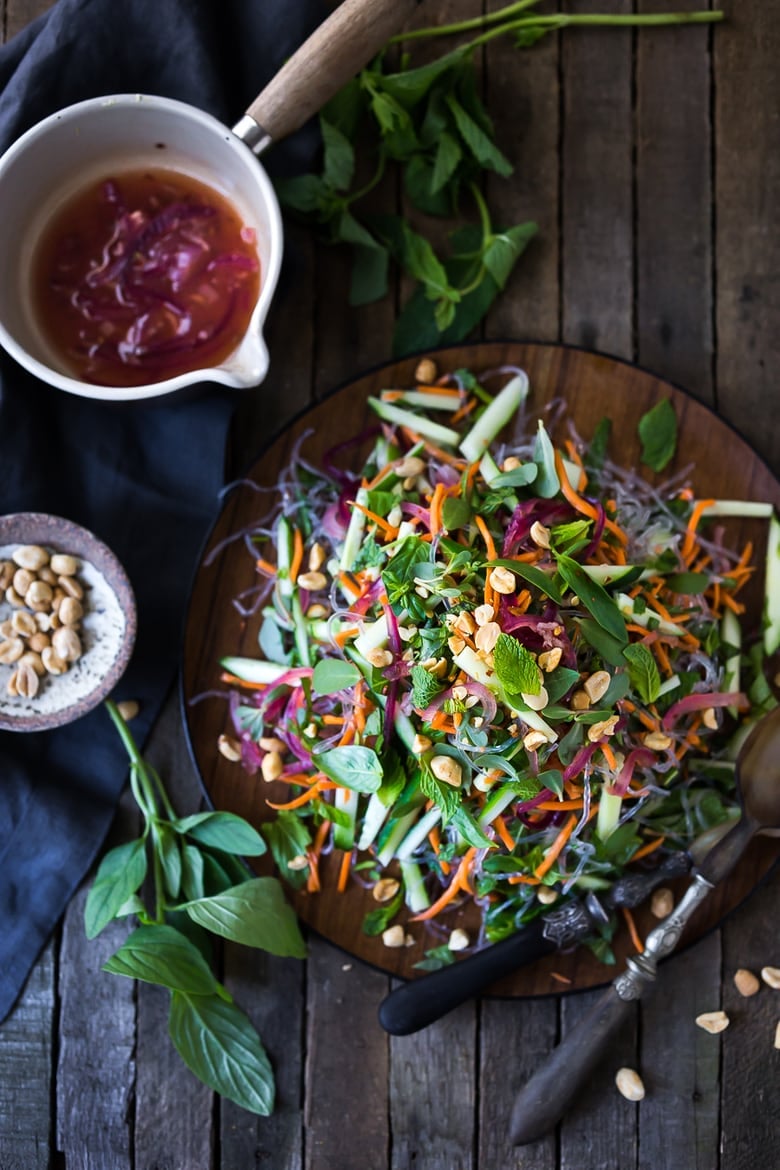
(198, 876)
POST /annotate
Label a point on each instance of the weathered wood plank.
(26, 1054)
(96, 1066)
(433, 1095)
(173, 1111)
(679, 1063)
(514, 1038)
(596, 174)
(523, 97)
(674, 203)
(747, 188)
(19, 13)
(600, 1131)
(750, 1063)
(271, 992)
(346, 1076)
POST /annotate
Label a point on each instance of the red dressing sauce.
(144, 276)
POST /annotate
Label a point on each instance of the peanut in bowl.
(67, 621)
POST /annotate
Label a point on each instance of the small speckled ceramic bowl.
(107, 631)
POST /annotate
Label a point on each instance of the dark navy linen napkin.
(144, 477)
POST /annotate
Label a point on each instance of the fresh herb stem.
(462, 26)
(558, 20)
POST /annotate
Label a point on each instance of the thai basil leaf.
(224, 831)
(254, 913)
(353, 765)
(332, 675)
(119, 875)
(658, 433)
(594, 597)
(161, 954)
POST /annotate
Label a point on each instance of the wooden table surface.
(651, 162)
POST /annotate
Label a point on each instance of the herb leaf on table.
(198, 885)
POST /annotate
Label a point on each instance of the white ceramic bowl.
(105, 136)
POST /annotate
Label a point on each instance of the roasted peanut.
(63, 564)
(30, 556)
(713, 1022)
(385, 890)
(66, 643)
(458, 940)
(746, 982)
(629, 1084)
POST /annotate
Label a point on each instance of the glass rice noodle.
(489, 671)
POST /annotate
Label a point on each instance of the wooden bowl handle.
(332, 55)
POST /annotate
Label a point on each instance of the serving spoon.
(545, 1097)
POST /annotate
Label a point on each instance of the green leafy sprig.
(428, 123)
(199, 886)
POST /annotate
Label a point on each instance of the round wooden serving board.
(592, 386)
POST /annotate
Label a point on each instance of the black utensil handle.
(544, 1099)
(420, 1002)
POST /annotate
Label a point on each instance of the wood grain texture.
(346, 1064)
(433, 1095)
(26, 1057)
(96, 1065)
(747, 193)
(678, 1062)
(173, 1110)
(593, 386)
(602, 1121)
(523, 96)
(514, 1038)
(674, 295)
(750, 1076)
(596, 175)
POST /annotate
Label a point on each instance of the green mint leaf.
(254, 913)
(160, 954)
(167, 846)
(469, 830)
(425, 687)
(219, 1045)
(378, 920)
(515, 667)
(594, 597)
(339, 157)
(368, 279)
(419, 186)
(456, 513)
(304, 193)
(346, 107)
(596, 451)
(687, 582)
(222, 830)
(547, 483)
(658, 433)
(444, 796)
(332, 675)
(371, 554)
(120, 874)
(479, 144)
(448, 155)
(505, 249)
(192, 872)
(436, 958)
(552, 779)
(421, 262)
(642, 671)
(411, 85)
(518, 477)
(353, 765)
(287, 837)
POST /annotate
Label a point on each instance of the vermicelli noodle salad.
(494, 666)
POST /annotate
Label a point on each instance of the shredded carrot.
(632, 930)
(577, 502)
(335, 720)
(561, 978)
(457, 884)
(442, 391)
(560, 805)
(368, 484)
(609, 755)
(649, 848)
(736, 606)
(435, 839)
(298, 801)
(504, 833)
(297, 557)
(349, 585)
(344, 868)
(575, 457)
(389, 530)
(437, 500)
(234, 680)
(689, 543)
(432, 449)
(266, 567)
(522, 879)
(490, 544)
(343, 636)
(464, 411)
(552, 853)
